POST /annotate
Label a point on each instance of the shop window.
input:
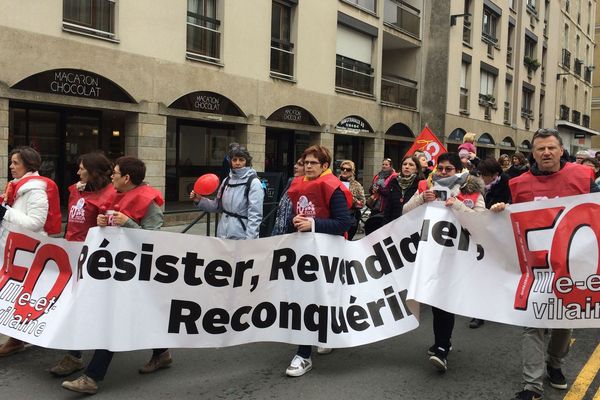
(92, 17)
(203, 34)
(282, 49)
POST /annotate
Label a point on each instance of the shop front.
(486, 146)
(200, 127)
(455, 139)
(289, 131)
(352, 135)
(507, 146)
(399, 138)
(61, 132)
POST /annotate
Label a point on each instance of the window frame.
(282, 44)
(207, 24)
(92, 28)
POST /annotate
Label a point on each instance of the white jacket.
(30, 209)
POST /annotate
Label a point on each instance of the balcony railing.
(586, 121)
(488, 38)
(509, 55)
(464, 99)
(578, 65)
(282, 59)
(566, 58)
(526, 113)
(400, 91)
(506, 112)
(402, 16)
(353, 76)
(564, 112)
(203, 42)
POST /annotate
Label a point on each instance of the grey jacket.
(233, 200)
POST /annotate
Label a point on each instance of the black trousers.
(304, 351)
(100, 362)
(443, 325)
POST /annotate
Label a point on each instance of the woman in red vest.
(320, 203)
(31, 202)
(137, 205)
(461, 192)
(92, 195)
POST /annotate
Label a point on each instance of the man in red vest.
(549, 177)
(137, 205)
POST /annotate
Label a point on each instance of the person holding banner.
(240, 198)
(549, 177)
(87, 198)
(31, 202)
(136, 205)
(402, 188)
(320, 203)
(462, 192)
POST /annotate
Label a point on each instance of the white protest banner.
(134, 289)
(129, 289)
(550, 280)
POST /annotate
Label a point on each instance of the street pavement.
(485, 364)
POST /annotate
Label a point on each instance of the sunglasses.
(446, 169)
(346, 169)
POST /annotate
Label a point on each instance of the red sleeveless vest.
(53, 220)
(311, 198)
(84, 207)
(135, 202)
(571, 180)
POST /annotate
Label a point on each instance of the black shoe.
(527, 395)
(438, 360)
(476, 323)
(431, 350)
(556, 378)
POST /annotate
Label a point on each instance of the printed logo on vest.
(469, 203)
(77, 212)
(305, 207)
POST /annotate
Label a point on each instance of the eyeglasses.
(346, 169)
(311, 162)
(446, 169)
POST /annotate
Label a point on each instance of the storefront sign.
(207, 102)
(354, 124)
(294, 115)
(75, 82)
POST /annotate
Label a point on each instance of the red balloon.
(206, 184)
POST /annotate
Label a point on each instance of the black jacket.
(396, 199)
(498, 193)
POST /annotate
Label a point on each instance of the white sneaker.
(324, 350)
(299, 366)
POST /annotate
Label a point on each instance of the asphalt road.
(485, 364)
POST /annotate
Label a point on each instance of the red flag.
(429, 144)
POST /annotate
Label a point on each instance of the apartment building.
(174, 82)
(508, 77)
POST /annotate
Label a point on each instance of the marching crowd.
(314, 200)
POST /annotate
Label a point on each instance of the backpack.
(248, 183)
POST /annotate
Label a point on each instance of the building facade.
(175, 84)
(507, 77)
